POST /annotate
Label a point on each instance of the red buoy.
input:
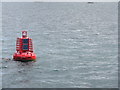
(24, 49)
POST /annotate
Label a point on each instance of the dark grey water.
(75, 43)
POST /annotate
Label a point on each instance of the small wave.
(6, 59)
(56, 70)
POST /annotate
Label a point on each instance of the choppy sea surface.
(76, 45)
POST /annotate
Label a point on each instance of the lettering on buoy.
(24, 49)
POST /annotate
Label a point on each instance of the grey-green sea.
(76, 44)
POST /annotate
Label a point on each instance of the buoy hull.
(27, 56)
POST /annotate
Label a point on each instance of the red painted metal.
(24, 49)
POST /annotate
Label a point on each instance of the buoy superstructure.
(24, 49)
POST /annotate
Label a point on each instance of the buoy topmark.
(24, 49)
